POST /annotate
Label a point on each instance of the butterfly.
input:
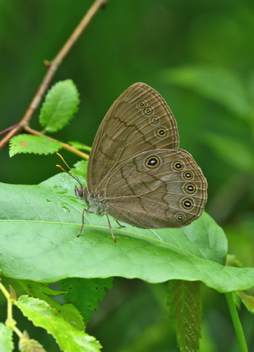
(136, 172)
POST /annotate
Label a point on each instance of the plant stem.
(5, 292)
(236, 322)
(52, 68)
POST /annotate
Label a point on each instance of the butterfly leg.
(119, 223)
(83, 221)
(109, 226)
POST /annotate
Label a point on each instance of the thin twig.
(53, 66)
(8, 129)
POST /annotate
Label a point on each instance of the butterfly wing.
(139, 120)
(156, 189)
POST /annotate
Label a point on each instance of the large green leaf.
(39, 225)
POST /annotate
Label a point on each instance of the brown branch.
(8, 129)
(53, 66)
(64, 145)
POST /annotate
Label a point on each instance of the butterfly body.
(136, 171)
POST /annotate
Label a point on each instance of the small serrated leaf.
(85, 293)
(68, 337)
(60, 105)
(26, 143)
(41, 291)
(6, 343)
(183, 299)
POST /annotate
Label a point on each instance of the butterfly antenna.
(73, 175)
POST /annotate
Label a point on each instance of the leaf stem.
(64, 145)
(236, 322)
(52, 68)
(5, 292)
(10, 322)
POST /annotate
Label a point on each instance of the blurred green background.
(199, 56)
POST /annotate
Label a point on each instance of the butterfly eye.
(161, 132)
(154, 119)
(148, 111)
(188, 175)
(187, 203)
(142, 104)
(152, 162)
(190, 188)
(178, 165)
(180, 217)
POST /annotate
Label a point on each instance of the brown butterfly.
(136, 172)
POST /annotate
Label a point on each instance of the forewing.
(139, 120)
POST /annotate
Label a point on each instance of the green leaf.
(233, 261)
(38, 241)
(26, 143)
(60, 105)
(80, 167)
(84, 294)
(6, 343)
(68, 337)
(232, 151)
(247, 300)
(33, 288)
(41, 291)
(215, 83)
(184, 301)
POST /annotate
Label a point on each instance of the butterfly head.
(81, 193)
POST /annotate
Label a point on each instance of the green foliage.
(52, 216)
(223, 146)
(6, 343)
(184, 301)
(199, 56)
(216, 83)
(80, 169)
(84, 294)
(60, 105)
(69, 338)
(68, 311)
(25, 143)
(247, 300)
